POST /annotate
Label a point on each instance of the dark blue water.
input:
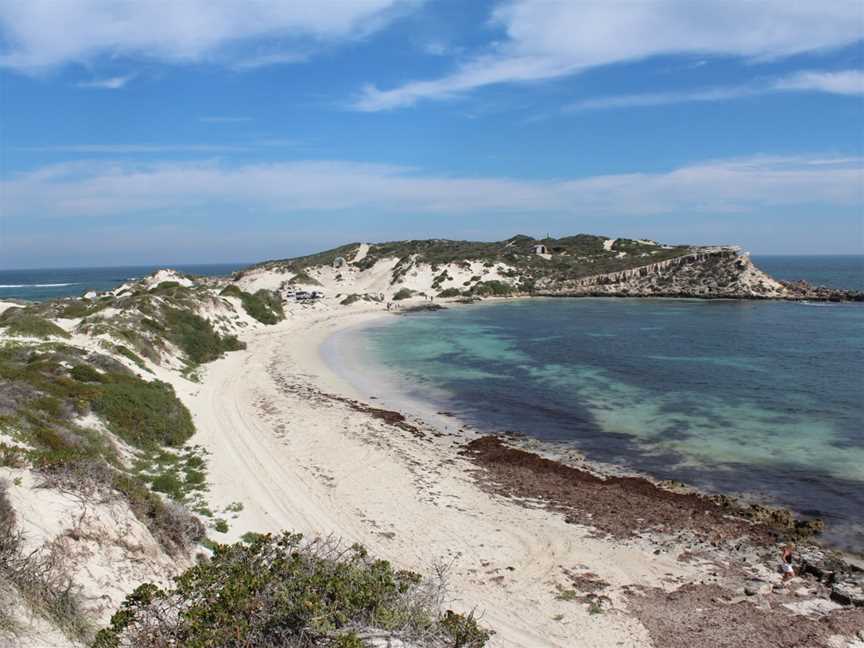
(759, 398)
(841, 271)
(42, 284)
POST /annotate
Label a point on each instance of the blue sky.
(193, 131)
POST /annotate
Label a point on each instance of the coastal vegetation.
(264, 305)
(284, 591)
(571, 256)
(46, 394)
(23, 323)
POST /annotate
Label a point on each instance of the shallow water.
(761, 398)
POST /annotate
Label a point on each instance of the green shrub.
(171, 524)
(144, 414)
(126, 352)
(279, 591)
(464, 630)
(86, 373)
(264, 306)
(304, 278)
(152, 324)
(25, 324)
(450, 292)
(12, 456)
(492, 288)
(403, 293)
(169, 484)
(164, 286)
(195, 336)
(231, 290)
(79, 308)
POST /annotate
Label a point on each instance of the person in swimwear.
(786, 562)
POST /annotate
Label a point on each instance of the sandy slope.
(298, 460)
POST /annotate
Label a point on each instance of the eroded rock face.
(715, 272)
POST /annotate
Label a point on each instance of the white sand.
(316, 466)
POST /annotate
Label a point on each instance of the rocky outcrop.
(801, 290)
(704, 272)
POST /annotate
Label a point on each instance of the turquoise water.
(759, 398)
(51, 283)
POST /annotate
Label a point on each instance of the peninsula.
(187, 425)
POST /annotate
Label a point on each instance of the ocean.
(759, 398)
(52, 283)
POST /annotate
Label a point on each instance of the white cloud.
(121, 190)
(660, 98)
(273, 58)
(39, 34)
(553, 38)
(111, 83)
(845, 82)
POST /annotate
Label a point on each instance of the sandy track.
(300, 461)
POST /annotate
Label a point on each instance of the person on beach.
(786, 562)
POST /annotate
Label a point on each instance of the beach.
(292, 443)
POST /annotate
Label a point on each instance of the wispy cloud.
(111, 83)
(113, 189)
(546, 40)
(265, 60)
(660, 98)
(40, 34)
(846, 82)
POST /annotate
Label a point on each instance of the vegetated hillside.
(570, 257)
(575, 265)
(99, 487)
(101, 490)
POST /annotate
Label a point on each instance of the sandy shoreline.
(297, 461)
(287, 439)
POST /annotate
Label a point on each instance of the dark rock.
(848, 593)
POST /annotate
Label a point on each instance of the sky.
(196, 131)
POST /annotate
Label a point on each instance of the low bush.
(12, 457)
(144, 414)
(302, 277)
(492, 288)
(195, 336)
(403, 293)
(264, 306)
(450, 292)
(126, 352)
(79, 308)
(174, 527)
(86, 373)
(280, 591)
(19, 322)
